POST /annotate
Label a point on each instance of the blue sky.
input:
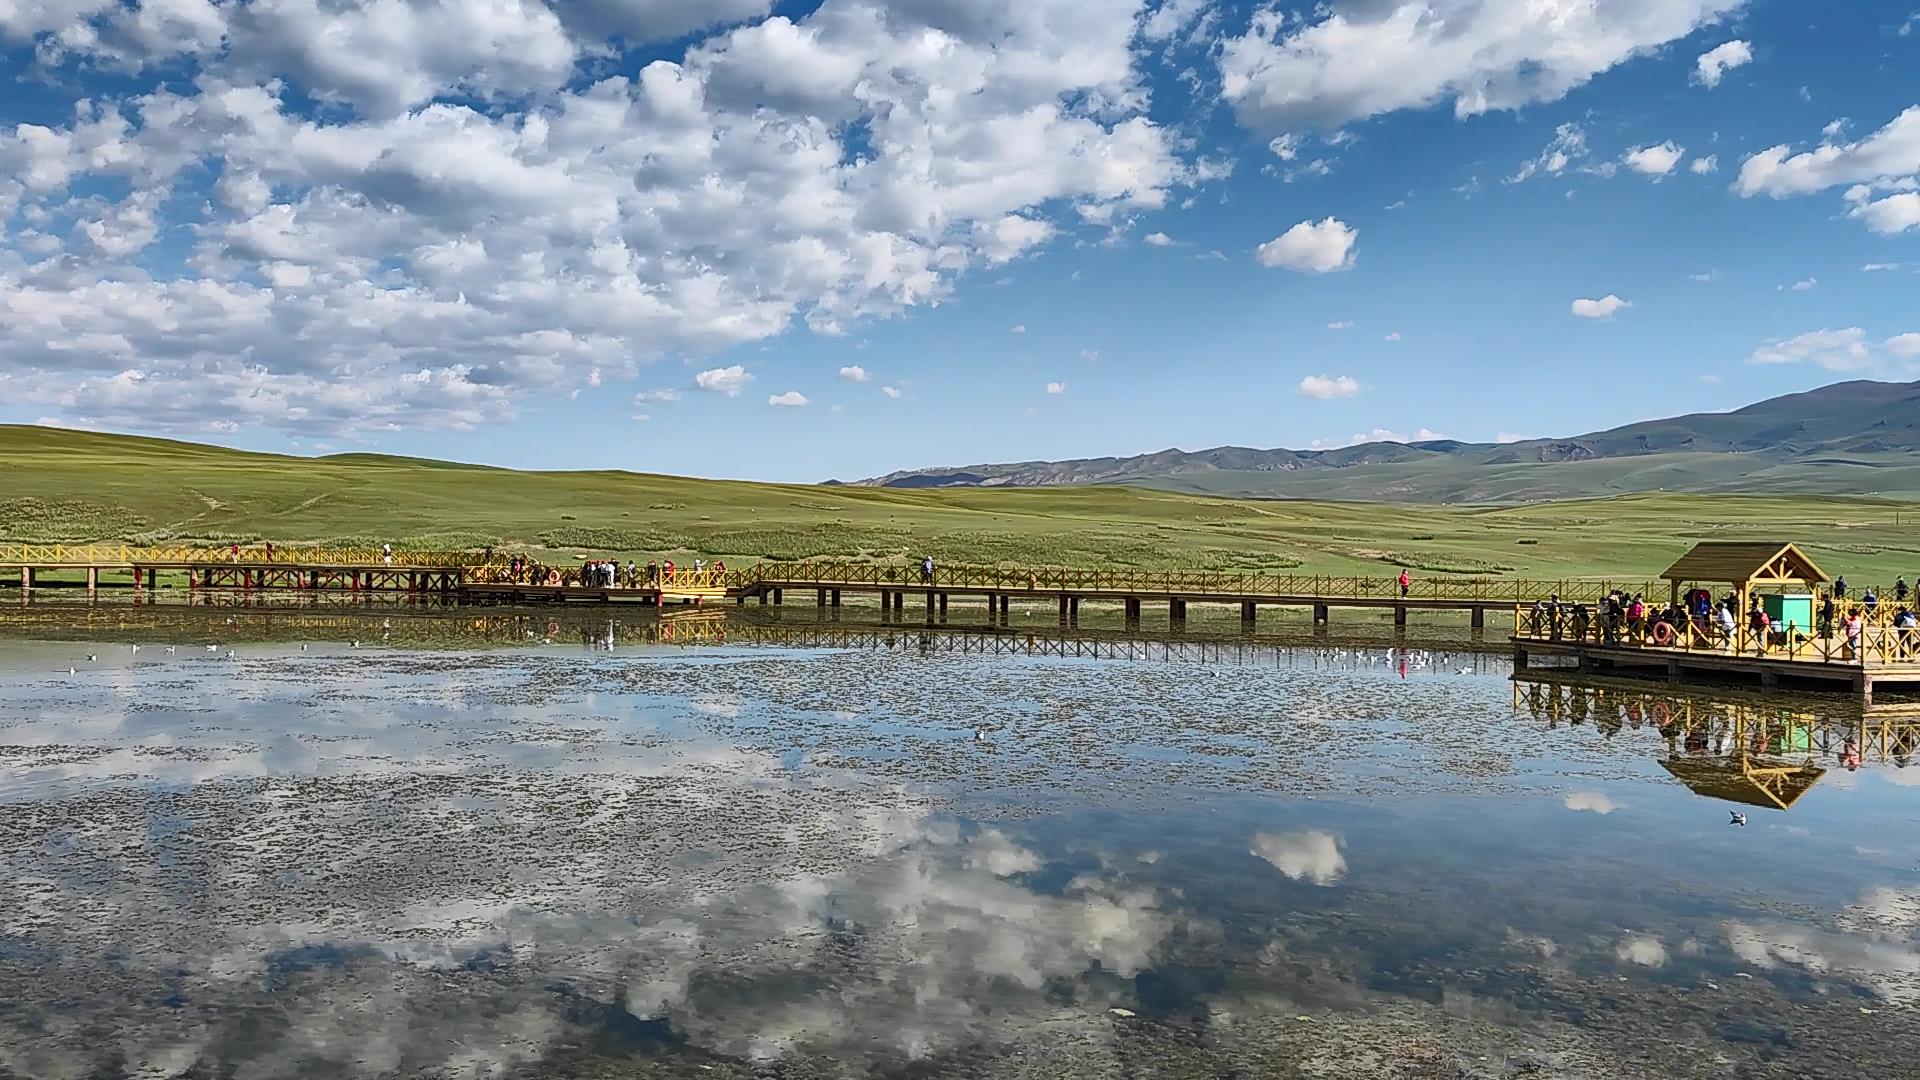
(662, 234)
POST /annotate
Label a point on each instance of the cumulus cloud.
(1569, 144)
(1882, 163)
(792, 399)
(1325, 388)
(1847, 349)
(1701, 166)
(1602, 308)
(1713, 65)
(1159, 239)
(1056, 388)
(1387, 435)
(1311, 855)
(479, 212)
(854, 373)
(729, 380)
(1315, 247)
(1347, 62)
(1656, 160)
(1343, 324)
(891, 391)
(1805, 284)
(1018, 328)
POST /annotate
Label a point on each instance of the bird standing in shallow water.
(1738, 818)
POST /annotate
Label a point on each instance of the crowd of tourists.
(611, 573)
(1699, 619)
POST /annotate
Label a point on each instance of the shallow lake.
(463, 844)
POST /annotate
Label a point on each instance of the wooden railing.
(1185, 584)
(54, 556)
(1858, 638)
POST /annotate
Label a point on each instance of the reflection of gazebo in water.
(1741, 779)
(1743, 767)
(1750, 568)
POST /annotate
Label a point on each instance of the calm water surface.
(514, 846)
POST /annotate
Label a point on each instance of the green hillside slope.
(78, 486)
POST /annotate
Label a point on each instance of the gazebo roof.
(1740, 562)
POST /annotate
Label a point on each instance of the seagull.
(170, 649)
(979, 736)
(92, 659)
(213, 648)
(356, 644)
(1738, 818)
(303, 646)
(1465, 671)
(136, 648)
(70, 670)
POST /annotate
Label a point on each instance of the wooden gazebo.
(1746, 567)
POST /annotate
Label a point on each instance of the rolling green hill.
(81, 486)
(1848, 438)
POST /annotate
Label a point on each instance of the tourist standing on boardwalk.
(1404, 582)
(1840, 587)
(1900, 589)
(386, 554)
(926, 570)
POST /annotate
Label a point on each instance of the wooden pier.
(987, 590)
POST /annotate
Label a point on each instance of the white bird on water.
(213, 648)
(979, 736)
(70, 670)
(1738, 818)
(92, 659)
(170, 649)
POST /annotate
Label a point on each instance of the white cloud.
(1885, 161)
(1705, 276)
(1285, 146)
(1170, 18)
(1347, 62)
(1056, 388)
(1893, 214)
(891, 391)
(1311, 855)
(1509, 437)
(1589, 801)
(1159, 239)
(854, 373)
(730, 380)
(1569, 144)
(1701, 166)
(1714, 64)
(1091, 356)
(1710, 380)
(1602, 308)
(648, 397)
(1311, 247)
(792, 399)
(484, 211)
(1324, 388)
(1848, 349)
(1344, 324)
(1393, 335)
(1643, 949)
(1804, 284)
(1877, 266)
(1386, 435)
(1018, 328)
(1656, 160)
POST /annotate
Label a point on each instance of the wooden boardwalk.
(476, 577)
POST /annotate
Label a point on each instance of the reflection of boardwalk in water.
(1760, 752)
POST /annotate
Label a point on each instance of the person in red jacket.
(1404, 582)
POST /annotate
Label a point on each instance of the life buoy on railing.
(1662, 633)
(553, 577)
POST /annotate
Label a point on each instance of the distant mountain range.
(1853, 437)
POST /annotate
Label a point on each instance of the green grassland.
(78, 486)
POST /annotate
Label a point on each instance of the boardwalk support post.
(1133, 609)
(93, 579)
(1320, 613)
(1004, 601)
(1063, 607)
(1479, 618)
(1247, 612)
(777, 597)
(1073, 609)
(1176, 609)
(820, 598)
(836, 598)
(943, 603)
(1400, 615)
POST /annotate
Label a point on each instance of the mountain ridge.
(1797, 438)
